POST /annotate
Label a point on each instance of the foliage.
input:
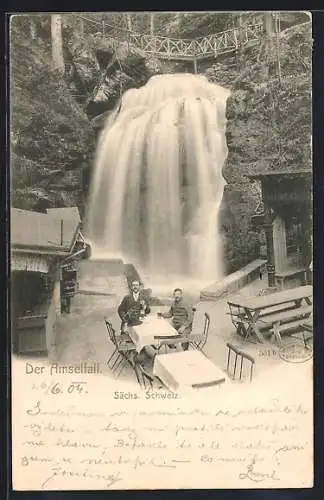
(51, 138)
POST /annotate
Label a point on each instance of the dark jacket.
(130, 308)
(181, 314)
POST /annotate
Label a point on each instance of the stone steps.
(234, 282)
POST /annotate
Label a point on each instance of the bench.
(290, 273)
(294, 326)
(256, 315)
(282, 317)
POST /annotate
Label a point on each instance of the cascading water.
(157, 184)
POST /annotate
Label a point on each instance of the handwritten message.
(96, 433)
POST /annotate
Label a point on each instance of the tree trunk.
(57, 42)
(152, 23)
(129, 22)
(81, 27)
(268, 22)
(33, 28)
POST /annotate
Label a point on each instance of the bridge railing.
(176, 47)
(228, 40)
(198, 47)
(162, 46)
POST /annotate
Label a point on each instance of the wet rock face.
(51, 135)
(268, 128)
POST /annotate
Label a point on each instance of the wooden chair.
(168, 341)
(238, 353)
(146, 378)
(123, 352)
(199, 341)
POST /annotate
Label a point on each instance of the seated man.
(132, 306)
(181, 314)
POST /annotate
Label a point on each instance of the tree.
(152, 23)
(268, 23)
(57, 42)
(33, 27)
(129, 21)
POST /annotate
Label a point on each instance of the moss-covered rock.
(52, 138)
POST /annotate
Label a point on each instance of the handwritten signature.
(58, 471)
(257, 476)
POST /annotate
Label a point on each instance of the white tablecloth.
(179, 370)
(143, 335)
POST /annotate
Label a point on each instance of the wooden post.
(306, 243)
(278, 48)
(235, 39)
(280, 244)
(270, 248)
(61, 232)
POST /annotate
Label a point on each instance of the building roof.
(55, 231)
(282, 173)
(65, 213)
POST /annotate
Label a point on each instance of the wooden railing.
(178, 48)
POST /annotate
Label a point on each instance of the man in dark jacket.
(132, 306)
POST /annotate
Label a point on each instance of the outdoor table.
(187, 370)
(247, 312)
(143, 335)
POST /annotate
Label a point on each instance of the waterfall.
(157, 183)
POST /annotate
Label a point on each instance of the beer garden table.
(251, 314)
(187, 370)
(143, 335)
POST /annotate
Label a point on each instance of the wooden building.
(41, 244)
(286, 220)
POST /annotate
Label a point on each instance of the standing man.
(132, 306)
(181, 314)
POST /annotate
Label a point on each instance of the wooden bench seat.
(290, 272)
(292, 327)
(284, 317)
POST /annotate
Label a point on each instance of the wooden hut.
(286, 219)
(41, 244)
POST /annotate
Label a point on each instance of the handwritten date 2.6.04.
(56, 388)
